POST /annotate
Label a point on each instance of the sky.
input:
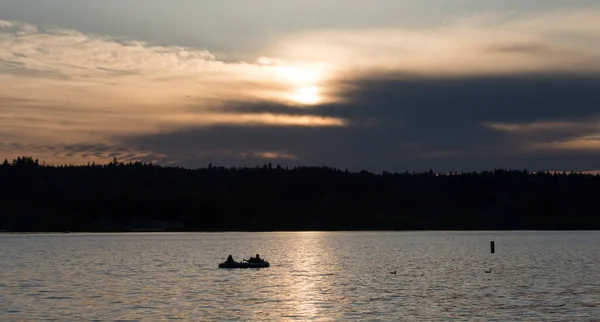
(396, 85)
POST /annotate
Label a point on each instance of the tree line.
(125, 196)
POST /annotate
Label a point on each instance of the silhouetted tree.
(120, 196)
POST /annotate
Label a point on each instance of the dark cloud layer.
(399, 124)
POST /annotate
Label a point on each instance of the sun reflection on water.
(330, 276)
(309, 282)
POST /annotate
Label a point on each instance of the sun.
(307, 95)
(303, 83)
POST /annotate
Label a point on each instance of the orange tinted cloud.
(582, 143)
(65, 86)
(581, 135)
(547, 126)
(275, 156)
(565, 42)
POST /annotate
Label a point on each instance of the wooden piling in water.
(492, 247)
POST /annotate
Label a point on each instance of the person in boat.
(256, 259)
(230, 259)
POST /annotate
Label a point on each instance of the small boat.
(244, 264)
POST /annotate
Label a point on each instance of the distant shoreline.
(284, 231)
(139, 197)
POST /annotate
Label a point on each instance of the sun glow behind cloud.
(304, 82)
(69, 87)
(62, 87)
(98, 81)
(307, 95)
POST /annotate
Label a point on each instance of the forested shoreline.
(146, 197)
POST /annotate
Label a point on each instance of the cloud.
(448, 124)
(59, 154)
(488, 91)
(589, 143)
(549, 126)
(77, 54)
(542, 43)
(582, 135)
(64, 86)
(273, 155)
(594, 172)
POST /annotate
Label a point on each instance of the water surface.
(322, 276)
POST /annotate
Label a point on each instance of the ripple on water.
(314, 276)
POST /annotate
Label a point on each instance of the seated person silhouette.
(255, 259)
(229, 259)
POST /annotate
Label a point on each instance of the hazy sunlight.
(304, 83)
(307, 95)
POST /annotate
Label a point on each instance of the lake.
(320, 276)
